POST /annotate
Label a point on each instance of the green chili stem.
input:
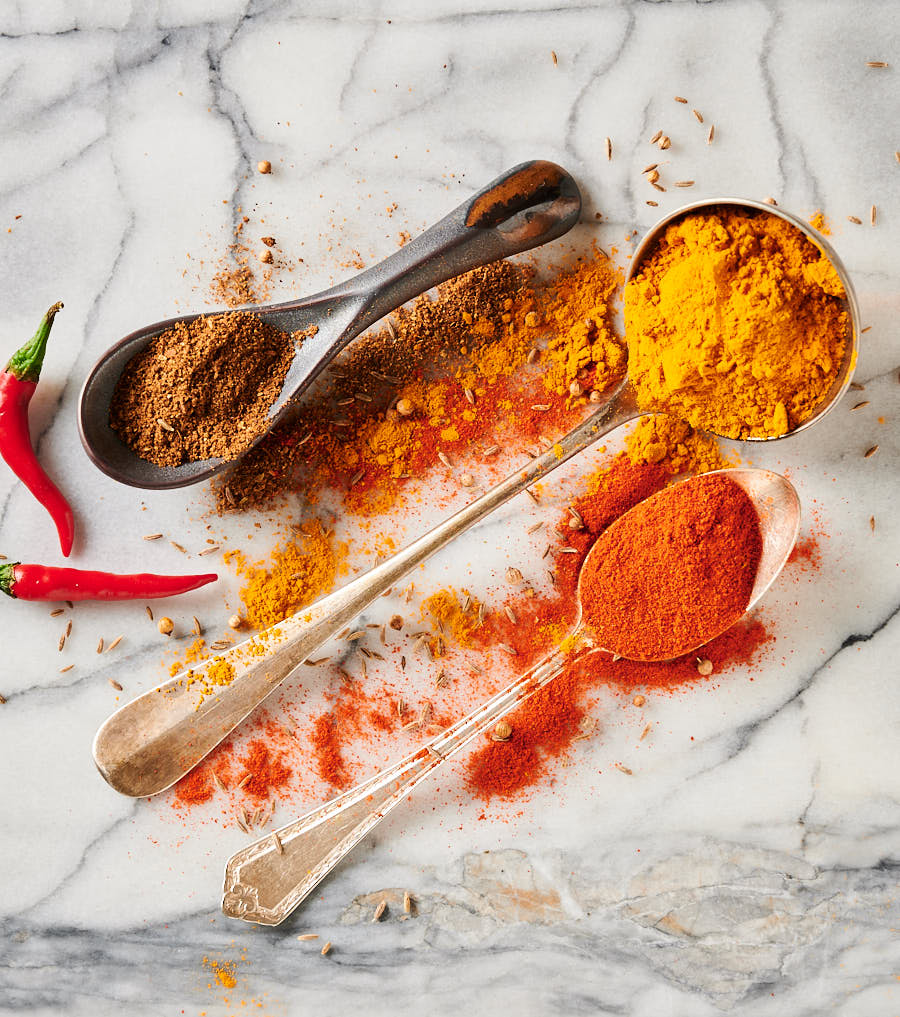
(8, 577)
(26, 363)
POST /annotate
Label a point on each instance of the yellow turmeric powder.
(735, 322)
(449, 617)
(298, 573)
(675, 445)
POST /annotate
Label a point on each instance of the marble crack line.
(82, 861)
(742, 737)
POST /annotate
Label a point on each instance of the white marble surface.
(749, 864)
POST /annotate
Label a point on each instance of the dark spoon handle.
(526, 206)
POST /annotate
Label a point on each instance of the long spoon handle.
(157, 738)
(265, 881)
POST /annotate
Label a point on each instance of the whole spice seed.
(326, 948)
(873, 212)
(379, 911)
(608, 149)
(554, 57)
(68, 667)
(870, 452)
(152, 536)
(115, 684)
(502, 731)
(711, 135)
(876, 63)
(307, 936)
(704, 666)
(679, 98)
(856, 221)
(698, 115)
(100, 645)
(407, 903)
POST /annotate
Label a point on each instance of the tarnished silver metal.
(265, 881)
(157, 738)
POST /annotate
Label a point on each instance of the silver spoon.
(527, 206)
(265, 881)
(153, 741)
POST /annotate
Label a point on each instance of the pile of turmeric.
(300, 570)
(736, 323)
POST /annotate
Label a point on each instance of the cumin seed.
(679, 98)
(873, 212)
(656, 137)
(208, 550)
(711, 135)
(859, 406)
(876, 63)
(326, 948)
(650, 168)
(407, 903)
(870, 452)
(684, 183)
(534, 528)
(379, 911)
(608, 149)
(177, 546)
(445, 459)
(115, 684)
(62, 642)
(854, 220)
(470, 395)
(152, 536)
(149, 612)
(307, 936)
(114, 643)
(554, 57)
(68, 667)
(698, 115)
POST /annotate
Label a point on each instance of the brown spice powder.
(202, 389)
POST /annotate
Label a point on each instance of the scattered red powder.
(267, 772)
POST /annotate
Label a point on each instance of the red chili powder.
(267, 771)
(674, 571)
(547, 725)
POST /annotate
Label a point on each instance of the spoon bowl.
(529, 205)
(267, 880)
(848, 364)
(778, 511)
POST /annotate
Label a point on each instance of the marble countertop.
(748, 863)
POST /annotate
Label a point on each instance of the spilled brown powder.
(202, 389)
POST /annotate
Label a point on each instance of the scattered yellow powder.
(676, 445)
(299, 572)
(224, 972)
(448, 617)
(820, 223)
(580, 316)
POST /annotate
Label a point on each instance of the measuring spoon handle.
(267, 880)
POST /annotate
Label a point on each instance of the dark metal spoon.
(527, 206)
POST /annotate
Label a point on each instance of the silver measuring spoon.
(527, 206)
(266, 880)
(153, 741)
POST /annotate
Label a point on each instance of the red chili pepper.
(17, 385)
(44, 582)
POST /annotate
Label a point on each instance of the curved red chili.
(17, 385)
(44, 582)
